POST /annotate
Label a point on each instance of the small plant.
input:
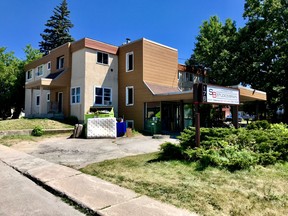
(37, 131)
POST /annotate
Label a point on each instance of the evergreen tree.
(57, 31)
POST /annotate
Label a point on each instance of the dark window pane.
(99, 57)
(99, 91)
(98, 99)
(105, 58)
(130, 63)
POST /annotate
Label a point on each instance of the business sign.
(219, 95)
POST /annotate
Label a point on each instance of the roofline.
(150, 41)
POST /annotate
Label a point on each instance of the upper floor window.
(49, 66)
(39, 71)
(60, 62)
(29, 74)
(102, 58)
(129, 96)
(75, 95)
(103, 96)
(129, 61)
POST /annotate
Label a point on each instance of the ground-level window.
(129, 96)
(130, 123)
(102, 58)
(103, 96)
(49, 66)
(38, 100)
(48, 97)
(75, 95)
(129, 61)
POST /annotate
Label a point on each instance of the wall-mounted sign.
(219, 95)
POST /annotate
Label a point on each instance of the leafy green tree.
(9, 72)
(215, 49)
(57, 31)
(264, 50)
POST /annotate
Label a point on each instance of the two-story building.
(141, 80)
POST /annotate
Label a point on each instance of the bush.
(263, 124)
(37, 131)
(170, 151)
(232, 148)
(71, 120)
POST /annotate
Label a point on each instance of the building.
(141, 80)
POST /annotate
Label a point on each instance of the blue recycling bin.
(121, 128)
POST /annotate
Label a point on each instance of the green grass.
(21, 124)
(258, 191)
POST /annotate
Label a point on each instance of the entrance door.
(60, 102)
(170, 116)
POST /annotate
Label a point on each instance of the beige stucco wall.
(78, 80)
(30, 105)
(34, 77)
(100, 75)
(87, 74)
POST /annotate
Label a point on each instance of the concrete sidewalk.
(90, 192)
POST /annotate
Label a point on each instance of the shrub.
(232, 148)
(71, 120)
(170, 151)
(263, 124)
(37, 131)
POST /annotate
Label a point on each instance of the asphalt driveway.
(77, 153)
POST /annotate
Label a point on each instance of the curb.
(29, 131)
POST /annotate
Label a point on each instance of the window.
(38, 100)
(75, 95)
(39, 71)
(129, 96)
(102, 58)
(49, 66)
(48, 97)
(129, 61)
(29, 74)
(103, 96)
(60, 62)
(130, 124)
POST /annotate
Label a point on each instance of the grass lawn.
(258, 191)
(20, 124)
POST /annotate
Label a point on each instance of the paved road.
(77, 153)
(21, 196)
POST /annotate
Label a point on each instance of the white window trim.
(130, 121)
(71, 96)
(37, 71)
(38, 105)
(111, 99)
(48, 97)
(49, 65)
(126, 93)
(127, 61)
(102, 58)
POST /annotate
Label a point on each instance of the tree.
(57, 31)
(264, 43)
(215, 49)
(9, 72)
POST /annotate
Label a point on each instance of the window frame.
(102, 58)
(103, 96)
(127, 96)
(38, 100)
(31, 75)
(60, 64)
(128, 61)
(129, 121)
(49, 65)
(75, 98)
(37, 72)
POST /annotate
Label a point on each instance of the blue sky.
(169, 22)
